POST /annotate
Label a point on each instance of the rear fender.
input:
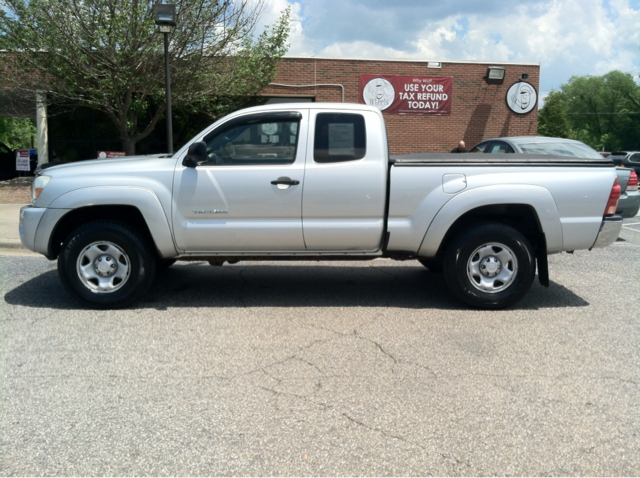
(539, 198)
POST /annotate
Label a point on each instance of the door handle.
(284, 182)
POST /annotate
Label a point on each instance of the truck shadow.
(372, 284)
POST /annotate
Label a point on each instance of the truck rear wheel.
(490, 267)
(105, 265)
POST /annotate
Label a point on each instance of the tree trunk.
(129, 146)
(129, 142)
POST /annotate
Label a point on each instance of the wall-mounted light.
(495, 75)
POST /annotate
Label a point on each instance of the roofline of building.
(393, 60)
(408, 60)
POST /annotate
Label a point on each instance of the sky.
(567, 37)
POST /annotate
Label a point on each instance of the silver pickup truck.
(314, 181)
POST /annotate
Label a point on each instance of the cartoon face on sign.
(521, 97)
(379, 92)
(270, 128)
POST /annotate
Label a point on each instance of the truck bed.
(479, 159)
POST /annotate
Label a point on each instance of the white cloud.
(273, 10)
(567, 37)
(361, 49)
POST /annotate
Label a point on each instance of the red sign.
(110, 154)
(409, 95)
(22, 160)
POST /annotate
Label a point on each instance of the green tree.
(603, 110)
(552, 117)
(107, 55)
(17, 133)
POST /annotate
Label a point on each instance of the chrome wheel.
(492, 268)
(103, 267)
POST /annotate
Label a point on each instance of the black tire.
(491, 266)
(434, 264)
(106, 265)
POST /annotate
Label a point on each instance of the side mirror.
(197, 153)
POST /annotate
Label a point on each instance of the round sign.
(270, 128)
(522, 97)
(380, 93)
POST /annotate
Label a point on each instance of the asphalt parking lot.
(324, 369)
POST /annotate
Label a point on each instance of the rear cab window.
(577, 150)
(339, 137)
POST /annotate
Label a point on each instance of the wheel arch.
(521, 217)
(529, 209)
(139, 208)
(126, 214)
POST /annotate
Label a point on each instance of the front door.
(247, 196)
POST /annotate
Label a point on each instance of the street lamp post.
(165, 17)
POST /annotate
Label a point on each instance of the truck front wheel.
(105, 265)
(489, 267)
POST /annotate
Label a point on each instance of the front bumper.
(609, 231)
(30, 217)
(37, 226)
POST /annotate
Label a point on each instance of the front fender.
(535, 196)
(145, 200)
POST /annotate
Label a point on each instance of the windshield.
(577, 150)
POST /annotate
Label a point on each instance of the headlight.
(38, 185)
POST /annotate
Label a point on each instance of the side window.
(339, 137)
(261, 141)
(500, 147)
(480, 148)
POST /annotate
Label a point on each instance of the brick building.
(478, 108)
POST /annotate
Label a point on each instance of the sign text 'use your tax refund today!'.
(418, 95)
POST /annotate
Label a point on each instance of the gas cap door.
(453, 183)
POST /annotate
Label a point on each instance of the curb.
(9, 224)
(11, 244)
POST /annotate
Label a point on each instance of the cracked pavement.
(326, 369)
